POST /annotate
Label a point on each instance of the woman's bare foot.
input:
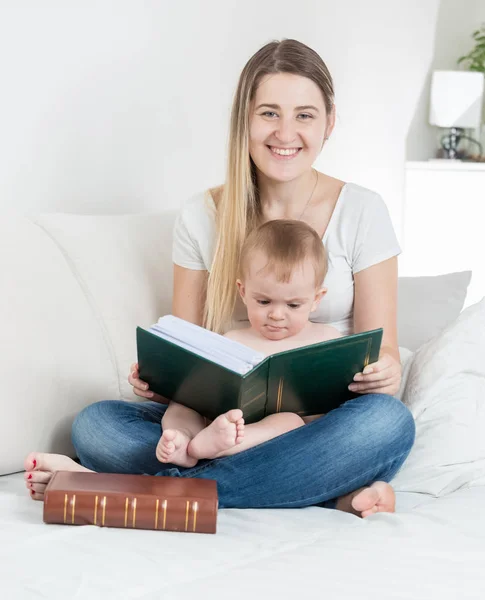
(40, 467)
(379, 497)
(172, 448)
(225, 432)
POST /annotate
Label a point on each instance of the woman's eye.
(269, 113)
(294, 305)
(263, 302)
(305, 116)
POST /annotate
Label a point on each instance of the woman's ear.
(330, 124)
(241, 289)
(331, 121)
(319, 294)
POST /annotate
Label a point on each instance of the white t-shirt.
(359, 235)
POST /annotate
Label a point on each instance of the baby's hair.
(286, 244)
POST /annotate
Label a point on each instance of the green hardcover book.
(309, 380)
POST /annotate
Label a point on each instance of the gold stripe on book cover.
(164, 506)
(186, 514)
(134, 514)
(157, 512)
(95, 510)
(280, 395)
(246, 404)
(73, 508)
(104, 503)
(367, 356)
(195, 508)
(133, 508)
(157, 504)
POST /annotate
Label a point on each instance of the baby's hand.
(140, 388)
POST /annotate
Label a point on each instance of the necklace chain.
(311, 196)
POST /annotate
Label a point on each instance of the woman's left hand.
(381, 377)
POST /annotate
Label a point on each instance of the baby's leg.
(212, 442)
(179, 425)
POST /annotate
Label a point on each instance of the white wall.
(114, 106)
(456, 21)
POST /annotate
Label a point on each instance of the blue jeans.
(366, 439)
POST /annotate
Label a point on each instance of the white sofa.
(75, 288)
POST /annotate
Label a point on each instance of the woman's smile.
(279, 153)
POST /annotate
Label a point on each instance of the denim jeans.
(366, 439)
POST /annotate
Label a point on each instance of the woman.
(282, 115)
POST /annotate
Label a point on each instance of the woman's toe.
(37, 476)
(31, 461)
(38, 487)
(36, 495)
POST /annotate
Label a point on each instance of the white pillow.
(445, 391)
(426, 305)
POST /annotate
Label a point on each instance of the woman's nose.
(286, 131)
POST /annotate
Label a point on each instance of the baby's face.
(276, 309)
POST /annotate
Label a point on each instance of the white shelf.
(445, 165)
(443, 221)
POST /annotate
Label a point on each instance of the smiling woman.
(286, 137)
(283, 112)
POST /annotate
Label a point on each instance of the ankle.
(187, 433)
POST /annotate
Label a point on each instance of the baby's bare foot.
(225, 432)
(40, 467)
(172, 448)
(379, 497)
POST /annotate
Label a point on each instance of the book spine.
(253, 393)
(130, 511)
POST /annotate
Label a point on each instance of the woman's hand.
(140, 388)
(381, 377)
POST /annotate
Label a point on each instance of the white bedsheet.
(431, 548)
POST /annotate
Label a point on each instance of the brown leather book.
(132, 501)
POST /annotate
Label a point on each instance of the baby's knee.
(292, 421)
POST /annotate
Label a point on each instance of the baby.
(282, 267)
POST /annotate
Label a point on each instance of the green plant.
(476, 56)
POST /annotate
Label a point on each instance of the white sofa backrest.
(75, 288)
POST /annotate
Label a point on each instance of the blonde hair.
(238, 207)
(285, 244)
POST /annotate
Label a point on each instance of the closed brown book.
(131, 501)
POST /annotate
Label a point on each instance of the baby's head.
(281, 272)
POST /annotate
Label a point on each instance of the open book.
(213, 374)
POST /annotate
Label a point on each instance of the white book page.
(217, 348)
(207, 340)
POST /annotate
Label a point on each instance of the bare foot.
(225, 432)
(172, 448)
(40, 467)
(379, 497)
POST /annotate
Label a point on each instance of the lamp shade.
(456, 99)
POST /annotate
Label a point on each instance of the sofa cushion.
(445, 390)
(55, 358)
(426, 305)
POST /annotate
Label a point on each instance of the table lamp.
(456, 103)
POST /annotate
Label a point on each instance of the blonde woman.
(282, 115)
